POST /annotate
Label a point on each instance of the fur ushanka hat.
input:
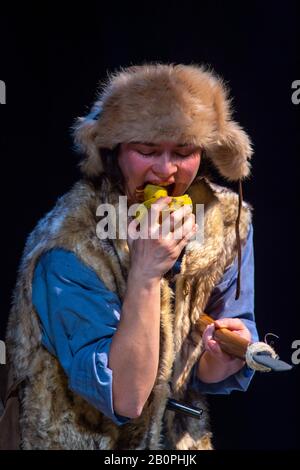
(184, 104)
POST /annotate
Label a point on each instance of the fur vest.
(52, 416)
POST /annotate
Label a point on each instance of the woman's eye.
(183, 155)
(146, 154)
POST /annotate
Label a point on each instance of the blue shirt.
(79, 317)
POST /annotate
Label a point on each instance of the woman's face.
(162, 164)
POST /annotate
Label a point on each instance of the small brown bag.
(9, 419)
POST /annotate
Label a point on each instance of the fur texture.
(52, 416)
(154, 103)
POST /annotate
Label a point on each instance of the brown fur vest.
(53, 417)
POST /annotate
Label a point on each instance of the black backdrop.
(51, 61)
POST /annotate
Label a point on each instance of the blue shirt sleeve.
(222, 304)
(79, 317)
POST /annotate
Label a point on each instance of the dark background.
(52, 60)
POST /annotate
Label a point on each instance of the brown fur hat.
(160, 102)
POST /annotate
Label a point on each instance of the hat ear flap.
(231, 152)
(85, 133)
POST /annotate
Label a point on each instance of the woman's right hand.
(156, 250)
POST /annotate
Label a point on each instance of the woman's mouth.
(170, 187)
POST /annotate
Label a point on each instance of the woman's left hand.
(214, 364)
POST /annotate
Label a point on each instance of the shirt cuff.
(239, 381)
(92, 379)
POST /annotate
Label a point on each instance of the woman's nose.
(164, 166)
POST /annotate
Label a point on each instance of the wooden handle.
(230, 342)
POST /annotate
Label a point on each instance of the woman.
(103, 331)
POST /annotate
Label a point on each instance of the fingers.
(183, 220)
(236, 325)
(209, 343)
(213, 347)
(156, 208)
(160, 219)
(132, 231)
(155, 216)
(160, 213)
(230, 323)
(208, 333)
(140, 229)
(177, 217)
(147, 224)
(184, 229)
(184, 241)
